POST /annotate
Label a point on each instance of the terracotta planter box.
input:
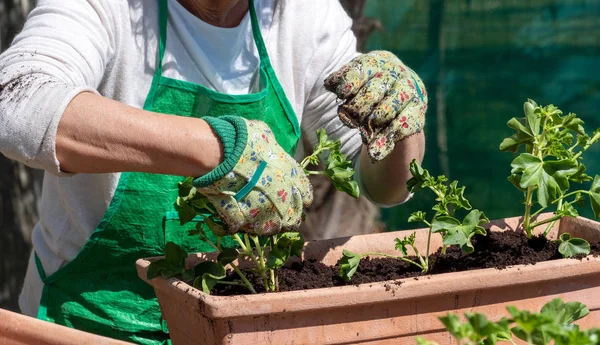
(17, 329)
(392, 312)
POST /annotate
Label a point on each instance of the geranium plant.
(554, 323)
(552, 161)
(450, 198)
(266, 255)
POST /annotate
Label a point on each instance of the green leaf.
(457, 233)
(522, 137)
(277, 257)
(227, 256)
(175, 254)
(188, 274)
(567, 210)
(484, 328)
(580, 176)
(565, 313)
(422, 341)
(406, 241)
(322, 136)
(215, 227)
(532, 324)
(532, 117)
(297, 246)
(208, 275)
(550, 177)
(171, 265)
(185, 187)
(419, 176)
(456, 196)
(418, 216)
(349, 264)
(515, 179)
(456, 328)
(570, 247)
(595, 196)
(185, 211)
(340, 172)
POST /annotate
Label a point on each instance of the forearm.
(99, 135)
(385, 181)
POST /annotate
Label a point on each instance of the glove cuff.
(233, 133)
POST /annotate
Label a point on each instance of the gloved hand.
(258, 188)
(384, 98)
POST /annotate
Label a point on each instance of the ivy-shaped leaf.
(549, 177)
(349, 264)
(171, 265)
(565, 313)
(570, 247)
(455, 232)
(595, 196)
(523, 135)
(208, 274)
(287, 244)
(227, 256)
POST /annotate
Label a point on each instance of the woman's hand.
(259, 188)
(382, 97)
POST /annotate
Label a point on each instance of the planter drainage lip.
(219, 307)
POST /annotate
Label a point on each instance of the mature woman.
(89, 90)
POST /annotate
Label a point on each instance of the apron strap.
(43, 308)
(40, 268)
(163, 19)
(265, 63)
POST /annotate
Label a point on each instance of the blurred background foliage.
(481, 60)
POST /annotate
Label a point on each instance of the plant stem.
(231, 283)
(392, 256)
(545, 221)
(262, 266)
(315, 172)
(237, 238)
(243, 277)
(527, 217)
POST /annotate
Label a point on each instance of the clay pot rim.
(219, 307)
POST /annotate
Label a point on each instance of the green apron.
(99, 290)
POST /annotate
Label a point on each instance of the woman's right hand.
(258, 188)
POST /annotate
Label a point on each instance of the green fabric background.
(480, 60)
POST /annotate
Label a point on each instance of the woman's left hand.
(383, 98)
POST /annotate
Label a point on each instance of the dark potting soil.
(496, 250)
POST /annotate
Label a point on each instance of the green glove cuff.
(233, 133)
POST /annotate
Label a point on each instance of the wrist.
(232, 135)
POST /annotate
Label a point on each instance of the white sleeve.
(63, 50)
(336, 46)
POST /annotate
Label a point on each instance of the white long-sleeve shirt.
(110, 47)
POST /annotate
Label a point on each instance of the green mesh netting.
(481, 59)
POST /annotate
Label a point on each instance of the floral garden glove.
(384, 98)
(258, 188)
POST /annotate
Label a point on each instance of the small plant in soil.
(450, 199)
(266, 255)
(554, 323)
(552, 161)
